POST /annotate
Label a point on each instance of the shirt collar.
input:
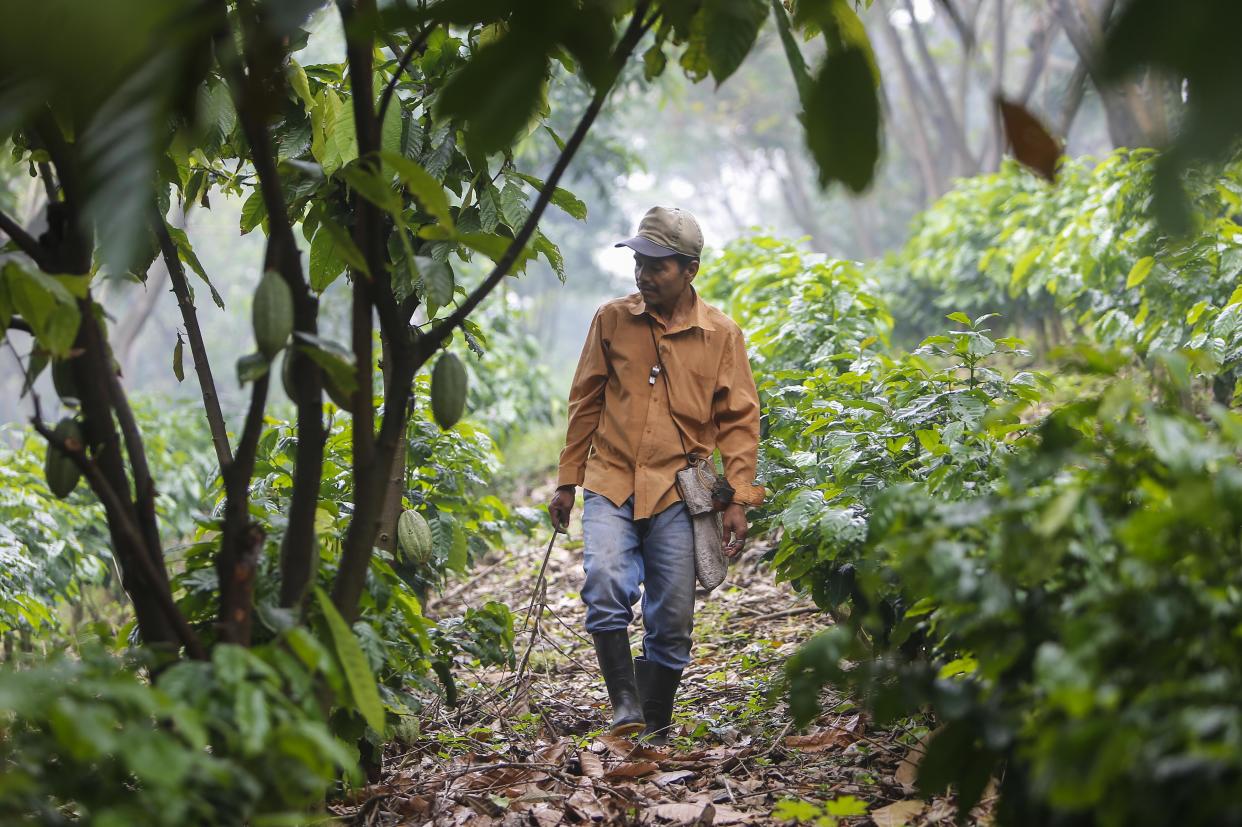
(696, 316)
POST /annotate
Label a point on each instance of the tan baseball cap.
(666, 231)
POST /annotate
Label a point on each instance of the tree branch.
(956, 135)
(359, 538)
(24, 241)
(418, 45)
(119, 516)
(198, 350)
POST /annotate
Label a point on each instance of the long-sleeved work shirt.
(621, 439)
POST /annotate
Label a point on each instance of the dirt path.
(523, 747)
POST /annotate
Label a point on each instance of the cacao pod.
(272, 314)
(62, 380)
(448, 390)
(414, 537)
(61, 472)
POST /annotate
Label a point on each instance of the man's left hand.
(734, 523)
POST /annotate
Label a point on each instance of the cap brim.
(646, 247)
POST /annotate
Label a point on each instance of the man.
(631, 409)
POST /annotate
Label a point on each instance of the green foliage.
(1077, 622)
(240, 739)
(1085, 254)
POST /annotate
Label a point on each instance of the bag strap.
(668, 391)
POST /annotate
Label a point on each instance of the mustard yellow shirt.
(621, 439)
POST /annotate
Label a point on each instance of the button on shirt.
(621, 439)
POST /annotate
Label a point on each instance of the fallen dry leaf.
(632, 769)
(898, 813)
(672, 777)
(817, 742)
(627, 750)
(592, 767)
(682, 812)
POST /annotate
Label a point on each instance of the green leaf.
(731, 28)
(372, 186)
(254, 212)
(513, 206)
(336, 361)
(300, 84)
(497, 92)
(353, 662)
(563, 199)
(552, 253)
(186, 253)
(959, 317)
(340, 139)
(392, 128)
(422, 185)
(437, 280)
(694, 60)
(45, 303)
(1192, 315)
(1140, 271)
(842, 119)
(343, 245)
(251, 367)
(326, 264)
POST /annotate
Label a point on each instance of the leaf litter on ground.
(531, 748)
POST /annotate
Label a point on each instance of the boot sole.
(627, 729)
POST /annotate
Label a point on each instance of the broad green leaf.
(497, 92)
(565, 200)
(429, 192)
(46, 304)
(513, 206)
(340, 139)
(372, 186)
(694, 60)
(1140, 271)
(251, 367)
(843, 119)
(354, 664)
(1192, 316)
(326, 263)
(254, 211)
(552, 253)
(958, 317)
(437, 279)
(731, 27)
(343, 245)
(300, 84)
(336, 360)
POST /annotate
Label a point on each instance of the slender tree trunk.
(933, 182)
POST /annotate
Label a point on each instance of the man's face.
(662, 280)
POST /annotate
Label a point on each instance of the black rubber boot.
(657, 687)
(617, 664)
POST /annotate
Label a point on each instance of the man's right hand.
(561, 506)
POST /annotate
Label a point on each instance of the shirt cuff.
(748, 495)
(571, 475)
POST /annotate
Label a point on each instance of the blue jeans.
(620, 553)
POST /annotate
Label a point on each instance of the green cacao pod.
(62, 475)
(272, 314)
(414, 537)
(448, 390)
(62, 379)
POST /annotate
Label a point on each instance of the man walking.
(662, 375)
